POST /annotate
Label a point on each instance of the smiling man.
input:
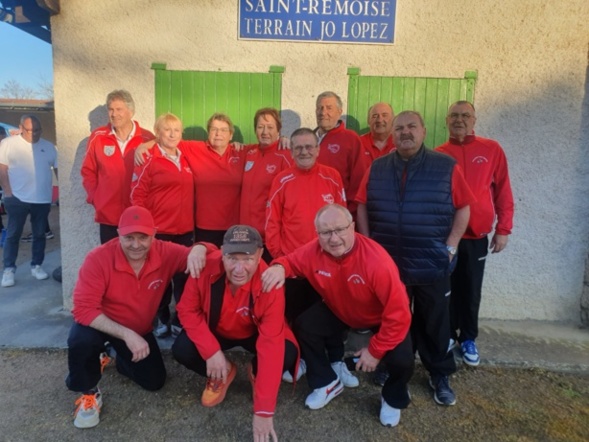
(108, 165)
(360, 288)
(26, 162)
(119, 288)
(378, 141)
(415, 203)
(486, 172)
(226, 308)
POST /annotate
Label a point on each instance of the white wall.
(531, 95)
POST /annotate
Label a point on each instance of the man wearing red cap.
(119, 288)
(225, 308)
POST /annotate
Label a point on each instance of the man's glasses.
(456, 116)
(339, 232)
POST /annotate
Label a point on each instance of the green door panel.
(195, 95)
(429, 96)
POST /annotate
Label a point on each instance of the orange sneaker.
(87, 414)
(105, 360)
(216, 390)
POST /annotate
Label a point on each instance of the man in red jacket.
(379, 140)
(108, 165)
(225, 308)
(361, 288)
(485, 170)
(341, 148)
(119, 288)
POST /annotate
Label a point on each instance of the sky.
(24, 58)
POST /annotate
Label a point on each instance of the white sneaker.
(320, 397)
(39, 273)
(287, 377)
(8, 277)
(389, 416)
(88, 411)
(342, 372)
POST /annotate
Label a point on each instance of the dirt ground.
(492, 405)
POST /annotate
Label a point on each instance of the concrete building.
(532, 95)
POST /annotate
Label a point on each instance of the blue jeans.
(17, 216)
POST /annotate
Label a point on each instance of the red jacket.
(371, 152)
(267, 317)
(107, 284)
(295, 197)
(261, 166)
(167, 191)
(341, 149)
(485, 169)
(362, 288)
(106, 173)
(217, 181)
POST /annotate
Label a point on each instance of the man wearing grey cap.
(225, 308)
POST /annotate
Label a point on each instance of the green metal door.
(194, 96)
(431, 97)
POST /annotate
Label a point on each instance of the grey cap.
(242, 239)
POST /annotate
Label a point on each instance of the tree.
(13, 89)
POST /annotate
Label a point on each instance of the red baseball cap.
(136, 219)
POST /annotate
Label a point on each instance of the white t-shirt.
(29, 168)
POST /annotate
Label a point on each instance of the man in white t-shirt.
(26, 162)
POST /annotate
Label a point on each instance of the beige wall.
(531, 95)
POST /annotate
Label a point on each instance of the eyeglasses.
(307, 147)
(456, 116)
(222, 130)
(31, 131)
(339, 232)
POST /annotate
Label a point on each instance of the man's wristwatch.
(451, 250)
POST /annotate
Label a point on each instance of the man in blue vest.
(415, 203)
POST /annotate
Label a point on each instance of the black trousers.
(467, 285)
(176, 286)
(84, 347)
(212, 236)
(317, 328)
(186, 353)
(430, 326)
(299, 295)
(108, 232)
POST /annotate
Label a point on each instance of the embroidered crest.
(333, 148)
(328, 198)
(480, 159)
(109, 151)
(135, 177)
(271, 168)
(356, 279)
(249, 165)
(154, 285)
(233, 160)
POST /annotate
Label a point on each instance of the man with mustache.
(485, 169)
(415, 203)
(379, 140)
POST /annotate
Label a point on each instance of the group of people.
(281, 247)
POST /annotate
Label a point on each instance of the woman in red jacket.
(164, 185)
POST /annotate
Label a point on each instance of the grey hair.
(122, 95)
(329, 94)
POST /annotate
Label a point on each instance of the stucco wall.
(531, 96)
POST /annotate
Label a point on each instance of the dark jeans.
(108, 232)
(186, 353)
(430, 326)
(17, 215)
(467, 284)
(84, 347)
(317, 328)
(176, 286)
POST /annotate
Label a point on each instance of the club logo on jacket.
(134, 177)
(271, 168)
(480, 159)
(328, 198)
(188, 170)
(356, 279)
(249, 165)
(323, 273)
(156, 284)
(233, 160)
(333, 148)
(243, 311)
(109, 150)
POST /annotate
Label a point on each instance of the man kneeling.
(116, 297)
(226, 308)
